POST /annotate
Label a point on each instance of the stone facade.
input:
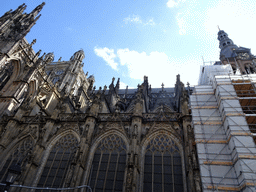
(64, 133)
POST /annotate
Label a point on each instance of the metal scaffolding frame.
(204, 119)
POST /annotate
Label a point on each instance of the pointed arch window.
(108, 165)
(162, 166)
(20, 155)
(58, 162)
(5, 73)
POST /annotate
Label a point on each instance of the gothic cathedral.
(63, 134)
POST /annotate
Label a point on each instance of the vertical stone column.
(192, 168)
(88, 129)
(132, 169)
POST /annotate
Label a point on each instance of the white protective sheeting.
(208, 72)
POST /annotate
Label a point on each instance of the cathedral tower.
(240, 58)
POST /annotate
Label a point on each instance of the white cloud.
(108, 55)
(137, 19)
(231, 14)
(141, 62)
(132, 19)
(174, 3)
(181, 23)
(150, 22)
(190, 19)
(122, 85)
(159, 67)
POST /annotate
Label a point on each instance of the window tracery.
(58, 162)
(162, 165)
(20, 155)
(108, 165)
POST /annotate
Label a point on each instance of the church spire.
(36, 11)
(238, 57)
(226, 45)
(224, 40)
(15, 25)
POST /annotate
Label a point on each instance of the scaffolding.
(224, 118)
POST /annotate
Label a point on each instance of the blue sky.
(130, 39)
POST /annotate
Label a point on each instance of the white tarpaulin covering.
(209, 71)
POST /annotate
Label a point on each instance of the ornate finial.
(43, 55)
(162, 87)
(218, 27)
(118, 83)
(113, 79)
(59, 59)
(188, 84)
(104, 89)
(38, 53)
(178, 77)
(8, 12)
(39, 7)
(33, 42)
(145, 79)
(126, 90)
(100, 89)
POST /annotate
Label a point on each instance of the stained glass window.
(58, 162)
(108, 165)
(162, 166)
(19, 155)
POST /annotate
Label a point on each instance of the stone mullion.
(50, 168)
(98, 170)
(59, 167)
(106, 174)
(117, 161)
